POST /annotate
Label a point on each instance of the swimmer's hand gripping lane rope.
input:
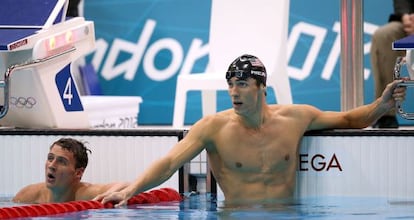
(153, 196)
(401, 61)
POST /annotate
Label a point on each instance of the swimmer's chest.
(257, 152)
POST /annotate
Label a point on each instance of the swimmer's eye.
(242, 84)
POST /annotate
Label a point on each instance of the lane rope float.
(45, 209)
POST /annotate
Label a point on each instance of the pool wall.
(116, 156)
(360, 164)
(331, 163)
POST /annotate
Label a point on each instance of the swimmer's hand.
(118, 199)
(393, 93)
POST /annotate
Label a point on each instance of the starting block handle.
(407, 83)
(400, 109)
(5, 84)
(403, 113)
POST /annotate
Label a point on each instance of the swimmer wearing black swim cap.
(246, 66)
(252, 147)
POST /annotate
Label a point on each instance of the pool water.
(206, 206)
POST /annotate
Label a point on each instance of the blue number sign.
(67, 90)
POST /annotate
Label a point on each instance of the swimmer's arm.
(90, 191)
(362, 116)
(114, 187)
(162, 169)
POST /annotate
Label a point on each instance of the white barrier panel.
(113, 158)
(377, 166)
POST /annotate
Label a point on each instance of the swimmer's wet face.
(244, 94)
(65, 164)
(60, 169)
(246, 76)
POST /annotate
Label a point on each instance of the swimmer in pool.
(253, 148)
(65, 164)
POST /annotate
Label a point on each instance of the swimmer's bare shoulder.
(299, 116)
(295, 111)
(207, 127)
(214, 120)
(33, 193)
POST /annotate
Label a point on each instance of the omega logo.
(318, 162)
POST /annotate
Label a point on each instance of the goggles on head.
(247, 66)
(240, 74)
(243, 74)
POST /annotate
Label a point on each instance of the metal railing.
(400, 62)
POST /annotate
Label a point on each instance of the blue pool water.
(205, 206)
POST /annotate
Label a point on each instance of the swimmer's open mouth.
(237, 105)
(50, 176)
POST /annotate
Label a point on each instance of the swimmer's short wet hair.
(79, 150)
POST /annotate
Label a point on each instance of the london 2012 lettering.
(318, 162)
(143, 51)
(182, 62)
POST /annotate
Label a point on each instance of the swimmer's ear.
(79, 172)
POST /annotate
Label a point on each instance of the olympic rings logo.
(22, 102)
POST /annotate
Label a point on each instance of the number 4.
(67, 93)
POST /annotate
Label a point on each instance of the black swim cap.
(246, 66)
